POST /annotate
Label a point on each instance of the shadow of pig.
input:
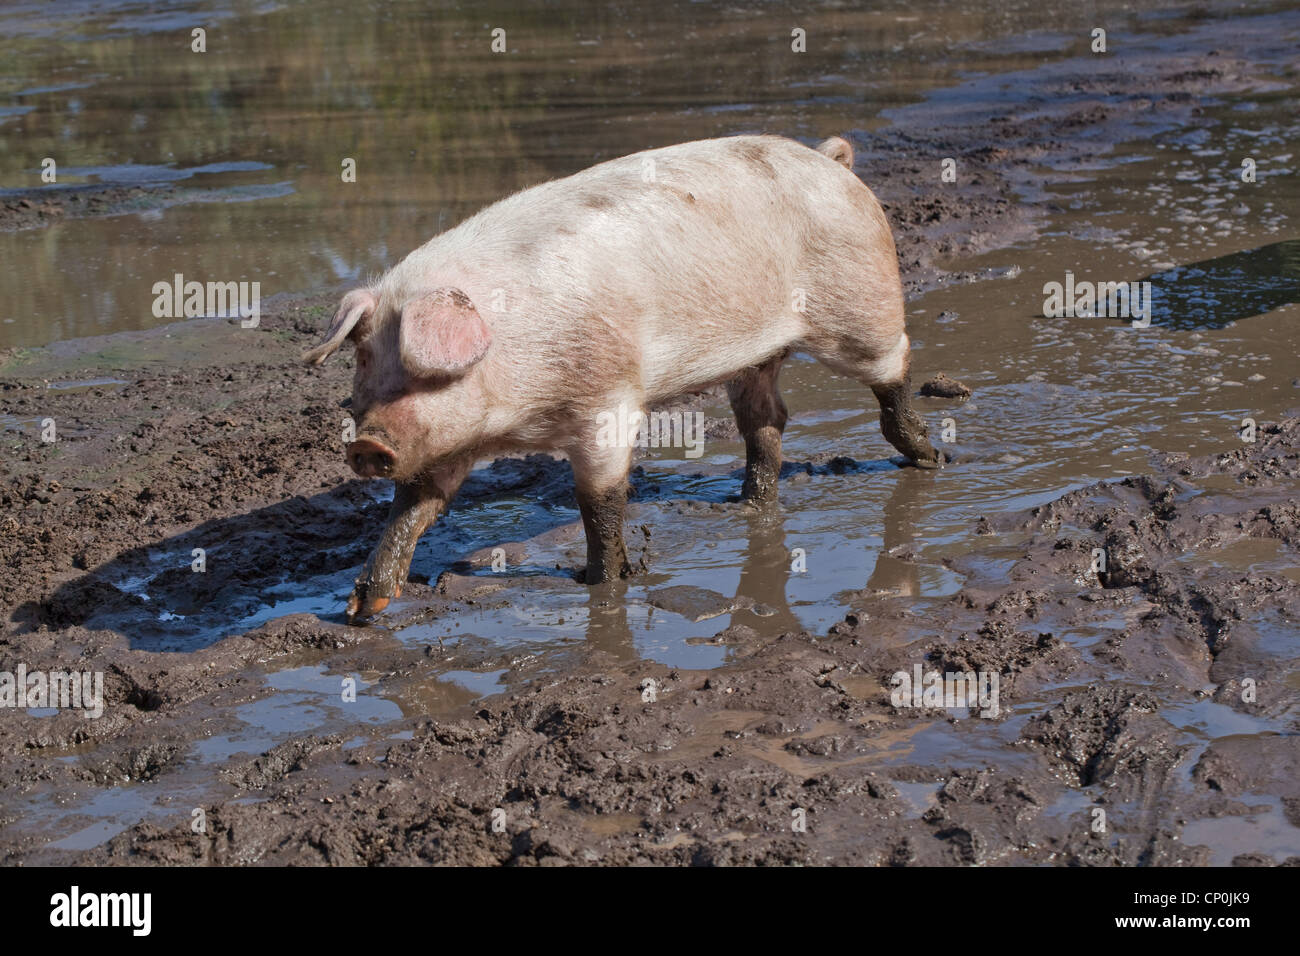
(231, 574)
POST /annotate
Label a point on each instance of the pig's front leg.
(416, 506)
(600, 477)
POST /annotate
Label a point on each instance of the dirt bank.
(33, 208)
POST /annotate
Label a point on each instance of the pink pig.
(627, 284)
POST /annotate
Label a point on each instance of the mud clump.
(941, 386)
(33, 208)
(1101, 734)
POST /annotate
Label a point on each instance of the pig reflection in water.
(624, 285)
(764, 575)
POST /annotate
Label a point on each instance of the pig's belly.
(697, 356)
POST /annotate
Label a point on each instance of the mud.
(1121, 689)
(707, 767)
(941, 386)
(33, 208)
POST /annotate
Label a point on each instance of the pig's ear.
(442, 334)
(356, 305)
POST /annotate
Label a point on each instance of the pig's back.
(688, 257)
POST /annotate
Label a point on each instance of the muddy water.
(238, 150)
(246, 141)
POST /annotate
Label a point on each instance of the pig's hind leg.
(760, 416)
(902, 427)
(887, 374)
(416, 506)
(600, 479)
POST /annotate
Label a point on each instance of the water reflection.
(1211, 293)
(765, 570)
(904, 515)
(438, 124)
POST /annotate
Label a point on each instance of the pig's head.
(414, 397)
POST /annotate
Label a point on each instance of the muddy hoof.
(362, 608)
(596, 575)
(934, 459)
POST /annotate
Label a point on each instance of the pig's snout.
(370, 458)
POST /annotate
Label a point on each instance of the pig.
(640, 279)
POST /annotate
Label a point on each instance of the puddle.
(1207, 720)
(320, 702)
(1228, 288)
(446, 691)
(1250, 555)
(306, 700)
(1266, 830)
(81, 821)
(265, 183)
(87, 383)
(91, 836)
(481, 684)
(919, 796)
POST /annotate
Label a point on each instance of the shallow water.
(250, 136)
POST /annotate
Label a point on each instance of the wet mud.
(1161, 690)
(1160, 686)
(33, 208)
